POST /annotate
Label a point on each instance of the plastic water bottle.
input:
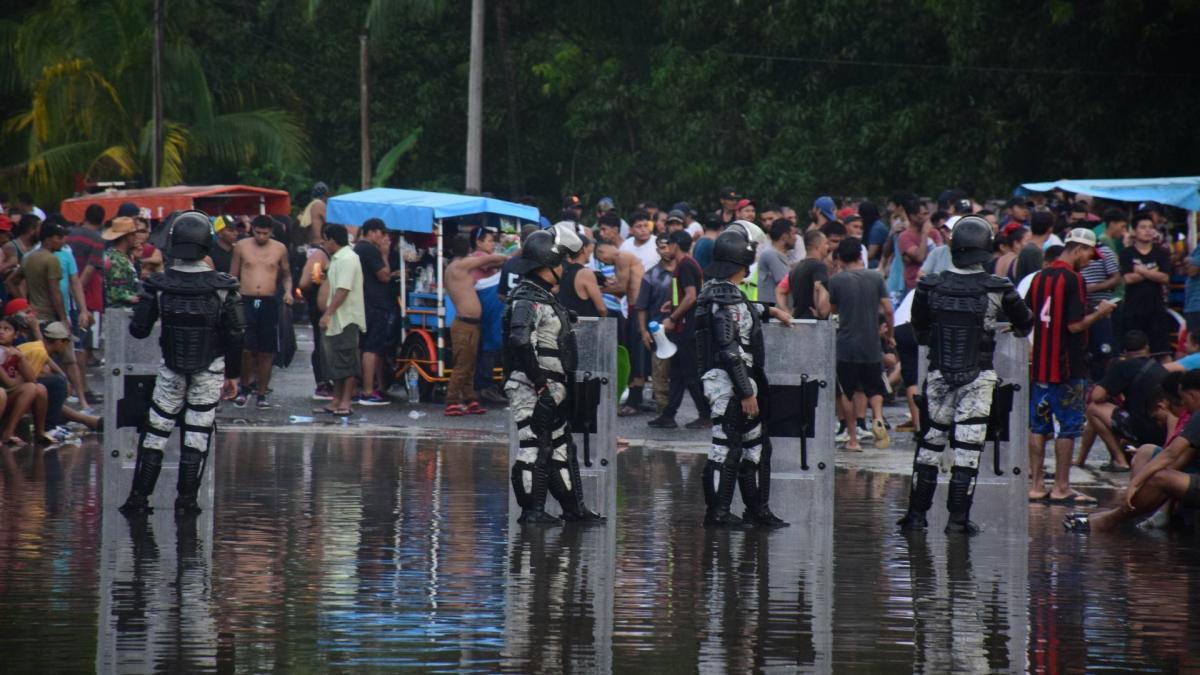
(300, 419)
(410, 384)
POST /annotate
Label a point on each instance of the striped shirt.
(1099, 270)
(1056, 297)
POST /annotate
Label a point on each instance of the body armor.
(538, 336)
(722, 340)
(959, 347)
(201, 319)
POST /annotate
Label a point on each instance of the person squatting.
(201, 341)
(539, 364)
(954, 313)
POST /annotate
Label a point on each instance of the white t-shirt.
(647, 252)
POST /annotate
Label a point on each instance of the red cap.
(744, 203)
(846, 212)
(5, 223)
(16, 305)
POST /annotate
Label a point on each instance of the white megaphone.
(664, 348)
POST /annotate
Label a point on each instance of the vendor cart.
(423, 219)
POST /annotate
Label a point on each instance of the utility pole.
(157, 75)
(364, 115)
(475, 101)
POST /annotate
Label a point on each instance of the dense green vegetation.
(667, 100)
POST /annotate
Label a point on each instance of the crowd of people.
(1098, 277)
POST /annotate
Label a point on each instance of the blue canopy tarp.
(416, 211)
(1182, 192)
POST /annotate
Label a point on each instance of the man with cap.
(955, 313)
(729, 198)
(572, 209)
(201, 343)
(606, 205)
(1058, 366)
(228, 229)
(313, 216)
(539, 361)
(729, 342)
(823, 211)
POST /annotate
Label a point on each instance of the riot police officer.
(730, 344)
(201, 341)
(954, 313)
(539, 363)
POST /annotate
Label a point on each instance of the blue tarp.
(1182, 192)
(416, 211)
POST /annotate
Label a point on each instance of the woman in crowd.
(22, 392)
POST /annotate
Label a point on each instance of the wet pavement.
(371, 550)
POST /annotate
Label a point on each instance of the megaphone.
(664, 348)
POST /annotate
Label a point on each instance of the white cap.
(1081, 235)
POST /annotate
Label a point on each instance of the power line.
(948, 67)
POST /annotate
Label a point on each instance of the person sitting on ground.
(1191, 360)
(22, 392)
(1159, 474)
(38, 349)
(1135, 377)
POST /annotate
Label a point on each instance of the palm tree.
(84, 69)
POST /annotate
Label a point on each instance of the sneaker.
(374, 398)
(357, 397)
(240, 400)
(473, 408)
(322, 394)
(72, 399)
(661, 422)
(260, 402)
(842, 436)
(699, 423)
(56, 436)
(455, 410)
(879, 431)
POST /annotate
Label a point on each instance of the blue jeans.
(56, 396)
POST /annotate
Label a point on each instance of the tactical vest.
(191, 310)
(528, 291)
(959, 345)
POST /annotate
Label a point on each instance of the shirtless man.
(260, 264)
(313, 217)
(627, 283)
(461, 398)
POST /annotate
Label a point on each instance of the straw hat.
(119, 228)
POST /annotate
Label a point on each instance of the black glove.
(545, 413)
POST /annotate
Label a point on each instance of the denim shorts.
(1063, 402)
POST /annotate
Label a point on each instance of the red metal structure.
(158, 203)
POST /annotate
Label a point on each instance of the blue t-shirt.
(1191, 361)
(877, 236)
(1191, 289)
(66, 260)
(702, 251)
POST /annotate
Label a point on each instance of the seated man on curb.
(1159, 474)
(1136, 377)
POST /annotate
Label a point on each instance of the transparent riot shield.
(1001, 490)
(156, 565)
(557, 569)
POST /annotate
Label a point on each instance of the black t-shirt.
(802, 282)
(1136, 379)
(508, 278)
(1144, 296)
(375, 292)
(222, 259)
(687, 274)
(1191, 433)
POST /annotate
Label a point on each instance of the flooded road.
(333, 551)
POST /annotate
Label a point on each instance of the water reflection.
(338, 551)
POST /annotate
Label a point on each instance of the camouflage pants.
(195, 395)
(718, 389)
(965, 410)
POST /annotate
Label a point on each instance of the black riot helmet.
(189, 235)
(732, 251)
(539, 250)
(970, 241)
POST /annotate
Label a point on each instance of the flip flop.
(341, 412)
(1039, 500)
(1073, 499)
(324, 410)
(1114, 468)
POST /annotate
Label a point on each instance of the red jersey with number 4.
(1056, 297)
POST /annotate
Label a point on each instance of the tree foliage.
(785, 99)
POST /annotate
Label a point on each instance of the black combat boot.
(571, 498)
(533, 503)
(920, 497)
(958, 501)
(718, 514)
(145, 475)
(191, 464)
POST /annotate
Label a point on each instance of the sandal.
(1077, 522)
(1114, 468)
(15, 442)
(1075, 499)
(341, 412)
(324, 410)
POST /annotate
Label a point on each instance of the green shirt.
(1116, 246)
(345, 272)
(120, 280)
